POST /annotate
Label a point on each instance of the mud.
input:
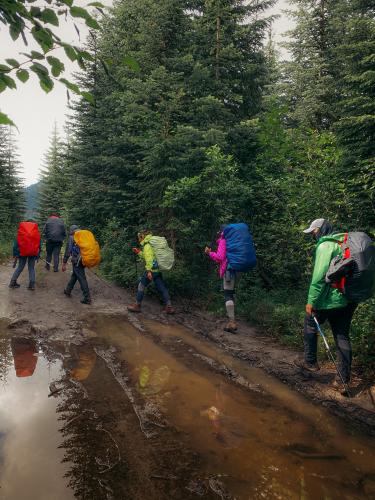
(113, 406)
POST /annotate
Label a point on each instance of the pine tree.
(11, 192)
(52, 179)
(356, 126)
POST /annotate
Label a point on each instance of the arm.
(148, 256)
(323, 258)
(68, 249)
(221, 252)
(16, 250)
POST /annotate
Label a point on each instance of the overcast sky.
(35, 112)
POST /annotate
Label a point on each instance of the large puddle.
(115, 418)
(261, 443)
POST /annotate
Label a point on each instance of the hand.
(309, 309)
(207, 250)
(136, 250)
(63, 268)
(149, 275)
(14, 262)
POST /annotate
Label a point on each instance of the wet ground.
(98, 405)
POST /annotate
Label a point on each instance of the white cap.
(316, 224)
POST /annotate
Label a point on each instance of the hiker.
(54, 233)
(326, 302)
(78, 269)
(229, 278)
(152, 274)
(26, 248)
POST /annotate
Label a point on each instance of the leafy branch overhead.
(31, 22)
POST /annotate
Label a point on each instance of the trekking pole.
(326, 345)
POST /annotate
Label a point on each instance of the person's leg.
(229, 283)
(71, 283)
(49, 251)
(143, 283)
(56, 255)
(81, 276)
(310, 338)
(31, 267)
(340, 320)
(162, 289)
(18, 271)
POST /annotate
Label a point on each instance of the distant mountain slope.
(31, 196)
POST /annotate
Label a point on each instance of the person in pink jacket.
(228, 277)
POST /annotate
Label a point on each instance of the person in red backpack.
(26, 248)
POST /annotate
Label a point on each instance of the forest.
(197, 120)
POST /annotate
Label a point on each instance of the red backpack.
(28, 239)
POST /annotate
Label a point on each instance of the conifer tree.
(11, 191)
(52, 179)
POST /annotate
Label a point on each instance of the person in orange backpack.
(72, 251)
(26, 248)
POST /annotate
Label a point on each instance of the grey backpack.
(356, 265)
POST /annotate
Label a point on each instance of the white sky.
(35, 112)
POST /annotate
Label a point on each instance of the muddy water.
(256, 443)
(30, 458)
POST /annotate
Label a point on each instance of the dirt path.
(173, 407)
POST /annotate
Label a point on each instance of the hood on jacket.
(146, 240)
(73, 229)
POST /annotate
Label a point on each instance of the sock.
(229, 304)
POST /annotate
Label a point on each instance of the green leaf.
(49, 16)
(3, 86)
(71, 86)
(70, 52)
(131, 63)
(69, 3)
(85, 55)
(45, 82)
(5, 120)
(13, 63)
(79, 12)
(39, 69)
(44, 37)
(88, 97)
(57, 67)
(96, 4)
(22, 75)
(4, 68)
(9, 82)
(36, 55)
(15, 31)
(92, 23)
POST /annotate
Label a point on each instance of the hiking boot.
(47, 267)
(86, 300)
(169, 310)
(55, 270)
(338, 386)
(135, 308)
(305, 365)
(14, 284)
(67, 293)
(231, 327)
(31, 286)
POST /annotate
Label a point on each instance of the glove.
(136, 250)
(63, 267)
(149, 275)
(207, 250)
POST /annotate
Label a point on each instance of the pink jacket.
(220, 256)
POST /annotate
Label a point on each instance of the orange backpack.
(88, 246)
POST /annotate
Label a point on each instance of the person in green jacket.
(151, 274)
(326, 302)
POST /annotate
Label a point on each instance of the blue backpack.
(240, 247)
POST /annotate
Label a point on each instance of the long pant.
(339, 320)
(53, 249)
(78, 274)
(31, 267)
(159, 283)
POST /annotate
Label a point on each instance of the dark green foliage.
(195, 124)
(32, 200)
(11, 191)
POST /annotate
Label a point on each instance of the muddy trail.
(97, 404)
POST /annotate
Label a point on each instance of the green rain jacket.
(148, 255)
(321, 294)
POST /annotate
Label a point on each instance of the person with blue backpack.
(235, 254)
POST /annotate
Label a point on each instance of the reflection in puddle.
(251, 443)
(31, 461)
